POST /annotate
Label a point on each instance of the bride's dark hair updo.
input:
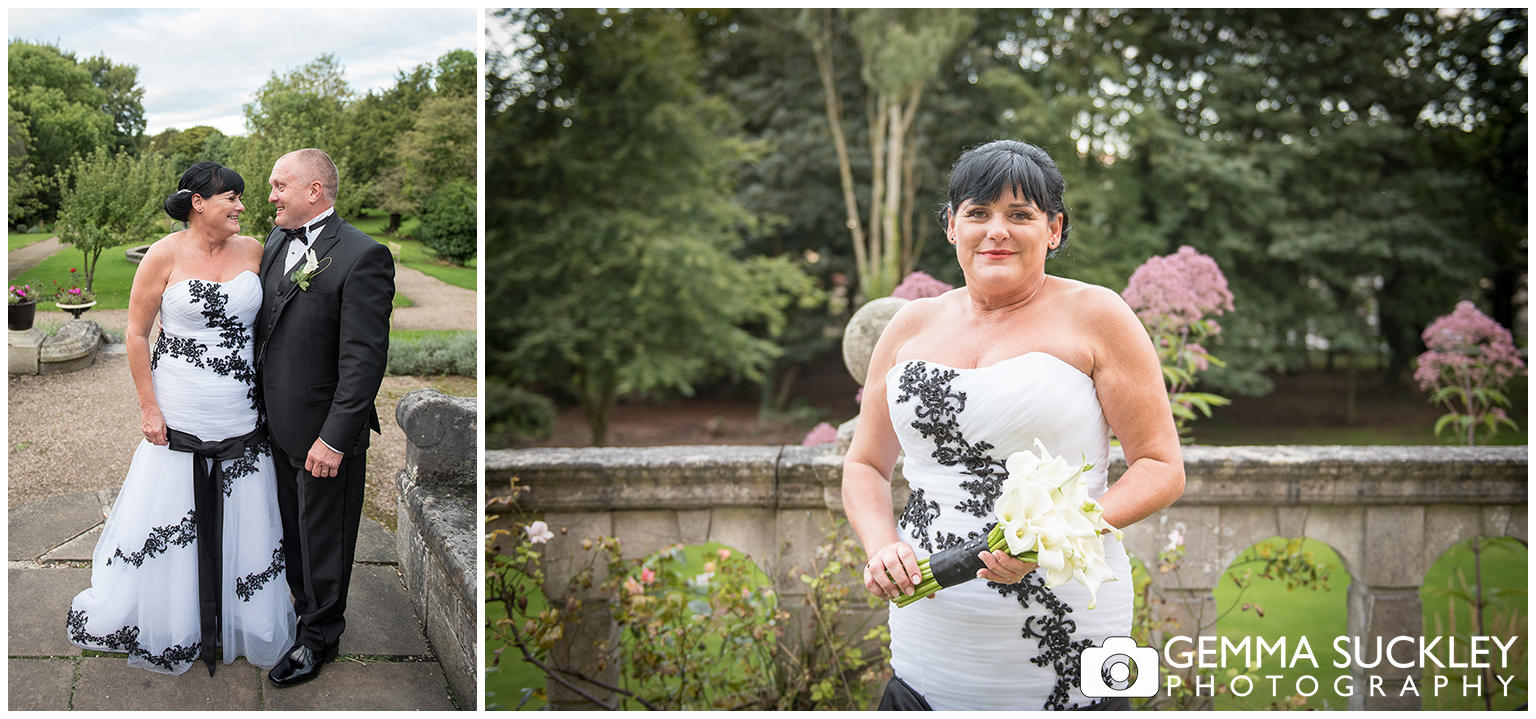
(982, 173)
(206, 178)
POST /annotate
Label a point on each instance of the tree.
(613, 223)
(124, 99)
(441, 147)
(304, 108)
(901, 51)
(55, 106)
(111, 199)
(379, 120)
(448, 224)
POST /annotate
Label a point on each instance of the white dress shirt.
(297, 249)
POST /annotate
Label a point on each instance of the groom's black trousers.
(320, 520)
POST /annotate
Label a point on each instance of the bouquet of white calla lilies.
(1045, 516)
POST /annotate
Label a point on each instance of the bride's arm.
(1129, 381)
(867, 475)
(149, 283)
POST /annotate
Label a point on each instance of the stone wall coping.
(678, 477)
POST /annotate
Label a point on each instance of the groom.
(321, 344)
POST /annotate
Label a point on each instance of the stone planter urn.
(20, 315)
(75, 310)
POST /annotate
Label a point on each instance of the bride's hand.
(154, 426)
(893, 570)
(1003, 567)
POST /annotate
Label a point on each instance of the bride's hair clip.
(184, 191)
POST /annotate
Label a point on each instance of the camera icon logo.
(1113, 662)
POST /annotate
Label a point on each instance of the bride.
(961, 381)
(191, 556)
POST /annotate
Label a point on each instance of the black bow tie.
(302, 233)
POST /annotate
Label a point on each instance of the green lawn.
(1318, 615)
(18, 240)
(1505, 571)
(114, 275)
(513, 678)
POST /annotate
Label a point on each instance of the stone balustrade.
(438, 537)
(1389, 512)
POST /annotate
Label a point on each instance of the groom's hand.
(322, 460)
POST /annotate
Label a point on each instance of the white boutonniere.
(309, 269)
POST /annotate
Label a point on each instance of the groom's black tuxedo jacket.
(321, 352)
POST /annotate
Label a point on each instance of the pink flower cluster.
(1470, 347)
(1180, 288)
(918, 285)
(820, 434)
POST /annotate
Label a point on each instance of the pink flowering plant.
(820, 434)
(22, 294)
(1176, 297)
(1470, 358)
(74, 294)
(918, 285)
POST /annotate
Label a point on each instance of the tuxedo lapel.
(272, 262)
(327, 238)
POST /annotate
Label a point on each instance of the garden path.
(27, 257)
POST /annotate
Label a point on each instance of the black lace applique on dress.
(1054, 630)
(126, 639)
(947, 540)
(938, 414)
(245, 466)
(231, 329)
(247, 586)
(178, 347)
(919, 516)
(160, 539)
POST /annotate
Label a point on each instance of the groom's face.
(293, 194)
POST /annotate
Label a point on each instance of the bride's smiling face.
(223, 210)
(1002, 242)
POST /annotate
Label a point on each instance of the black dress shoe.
(301, 665)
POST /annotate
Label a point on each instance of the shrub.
(516, 413)
(434, 354)
(920, 284)
(448, 222)
(1470, 358)
(1173, 296)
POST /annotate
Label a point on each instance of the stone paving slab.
(373, 686)
(375, 544)
(78, 549)
(110, 684)
(380, 619)
(38, 603)
(39, 684)
(37, 527)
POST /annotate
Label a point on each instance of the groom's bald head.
(311, 165)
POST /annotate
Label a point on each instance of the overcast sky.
(199, 66)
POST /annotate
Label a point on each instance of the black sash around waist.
(208, 507)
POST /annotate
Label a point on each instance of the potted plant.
(22, 307)
(74, 299)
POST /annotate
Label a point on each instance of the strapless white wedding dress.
(982, 645)
(143, 598)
